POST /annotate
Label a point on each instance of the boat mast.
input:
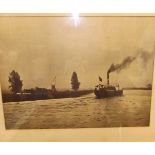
(107, 78)
(53, 88)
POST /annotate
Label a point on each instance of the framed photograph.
(80, 77)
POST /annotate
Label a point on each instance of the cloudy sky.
(39, 48)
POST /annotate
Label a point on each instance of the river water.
(130, 110)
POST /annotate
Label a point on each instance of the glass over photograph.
(59, 72)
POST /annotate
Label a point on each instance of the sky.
(40, 48)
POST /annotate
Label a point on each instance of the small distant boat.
(104, 91)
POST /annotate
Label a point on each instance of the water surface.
(130, 110)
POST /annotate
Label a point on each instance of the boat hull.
(107, 93)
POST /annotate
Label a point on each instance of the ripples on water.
(130, 110)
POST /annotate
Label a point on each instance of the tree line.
(16, 83)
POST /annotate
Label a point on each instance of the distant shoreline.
(137, 88)
(7, 97)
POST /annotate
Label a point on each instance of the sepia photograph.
(68, 72)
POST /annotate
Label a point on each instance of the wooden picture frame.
(136, 133)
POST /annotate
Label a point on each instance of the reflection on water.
(130, 110)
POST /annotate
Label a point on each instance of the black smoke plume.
(124, 64)
(143, 55)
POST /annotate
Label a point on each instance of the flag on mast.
(100, 79)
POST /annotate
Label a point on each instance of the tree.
(15, 82)
(74, 82)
